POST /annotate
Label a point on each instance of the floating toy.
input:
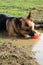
(36, 36)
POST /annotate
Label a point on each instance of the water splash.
(38, 50)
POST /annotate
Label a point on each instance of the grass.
(19, 7)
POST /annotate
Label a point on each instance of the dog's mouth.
(35, 34)
(32, 33)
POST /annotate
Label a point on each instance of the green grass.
(19, 7)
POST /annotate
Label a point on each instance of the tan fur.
(10, 26)
(30, 24)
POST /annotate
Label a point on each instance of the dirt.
(10, 54)
(17, 50)
(37, 14)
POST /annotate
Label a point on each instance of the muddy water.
(38, 50)
(23, 50)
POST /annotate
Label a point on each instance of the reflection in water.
(38, 50)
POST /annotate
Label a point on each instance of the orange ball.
(35, 36)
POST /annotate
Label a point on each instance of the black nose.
(31, 33)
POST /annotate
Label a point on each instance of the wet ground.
(38, 50)
(16, 51)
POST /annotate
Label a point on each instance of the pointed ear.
(29, 16)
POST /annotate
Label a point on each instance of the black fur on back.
(3, 19)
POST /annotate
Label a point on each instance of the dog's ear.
(29, 16)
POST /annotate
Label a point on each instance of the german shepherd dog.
(20, 25)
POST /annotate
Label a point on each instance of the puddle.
(38, 50)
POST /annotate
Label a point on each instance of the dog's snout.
(31, 33)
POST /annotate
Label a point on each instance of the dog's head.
(23, 26)
(28, 25)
